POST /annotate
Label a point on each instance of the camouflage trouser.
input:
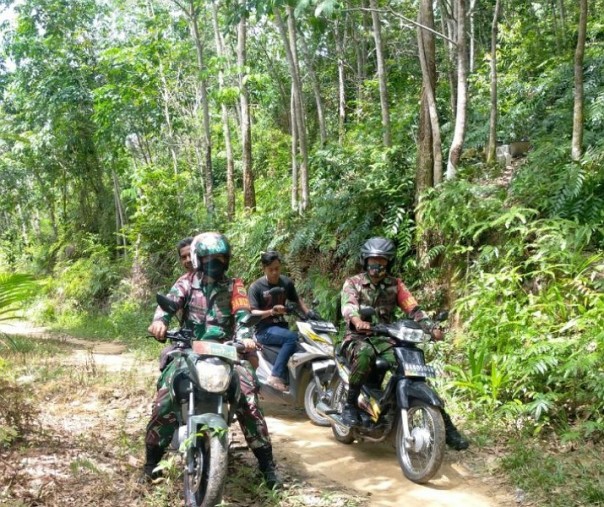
(163, 421)
(361, 356)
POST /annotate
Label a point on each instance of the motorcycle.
(206, 385)
(395, 398)
(310, 369)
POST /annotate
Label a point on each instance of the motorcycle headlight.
(214, 375)
(411, 335)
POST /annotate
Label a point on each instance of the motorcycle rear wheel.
(311, 398)
(342, 433)
(203, 488)
(426, 425)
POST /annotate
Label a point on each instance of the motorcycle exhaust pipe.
(332, 414)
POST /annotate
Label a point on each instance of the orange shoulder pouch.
(239, 300)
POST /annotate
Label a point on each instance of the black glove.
(313, 315)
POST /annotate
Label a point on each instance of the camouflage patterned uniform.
(211, 311)
(359, 292)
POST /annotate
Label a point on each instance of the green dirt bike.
(206, 386)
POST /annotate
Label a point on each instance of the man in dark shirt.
(273, 329)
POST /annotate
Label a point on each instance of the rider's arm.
(351, 306)
(161, 319)
(409, 305)
(240, 307)
(256, 301)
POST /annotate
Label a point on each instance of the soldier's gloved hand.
(158, 329)
(313, 315)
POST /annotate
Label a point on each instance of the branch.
(408, 20)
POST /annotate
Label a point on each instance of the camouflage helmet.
(209, 243)
(378, 247)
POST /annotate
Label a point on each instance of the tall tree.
(288, 35)
(192, 10)
(462, 91)
(381, 70)
(249, 191)
(226, 129)
(577, 139)
(316, 88)
(429, 156)
(492, 144)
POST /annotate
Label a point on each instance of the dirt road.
(312, 453)
(372, 469)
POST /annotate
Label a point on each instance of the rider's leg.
(360, 356)
(254, 428)
(455, 440)
(287, 340)
(159, 433)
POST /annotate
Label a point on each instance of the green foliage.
(84, 280)
(15, 290)
(531, 303)
(540, 467)
(558, 188)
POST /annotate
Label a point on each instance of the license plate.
(208, 348)
(419, 370)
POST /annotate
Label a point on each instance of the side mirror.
(250, 320)
(166, 304)
(442, 316)
(366, 313)
(276, 291)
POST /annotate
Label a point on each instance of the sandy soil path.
(372, 469)
(312, 451)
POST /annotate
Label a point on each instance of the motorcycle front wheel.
(312, 396)
(422, 458)
(209, 460)
(342, 432)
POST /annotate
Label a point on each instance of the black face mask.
(376, 270)
(214, 268)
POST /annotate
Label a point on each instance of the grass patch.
(557, 475)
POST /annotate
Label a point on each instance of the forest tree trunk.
(492, 144)
(462, 92)
(577, 139)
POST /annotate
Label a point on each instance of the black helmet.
(378, 247)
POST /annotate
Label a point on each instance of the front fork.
(212, 418)
(408, 390)
(190, 413)
(323, 372)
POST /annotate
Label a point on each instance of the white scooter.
(310, 369)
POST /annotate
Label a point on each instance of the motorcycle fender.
(212, 421)
(407, 389)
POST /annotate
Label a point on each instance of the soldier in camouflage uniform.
(212, 304)
(377, 289)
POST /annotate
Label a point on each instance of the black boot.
(267, 466)
(153, 455)
(453, 438)
(350, 412)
